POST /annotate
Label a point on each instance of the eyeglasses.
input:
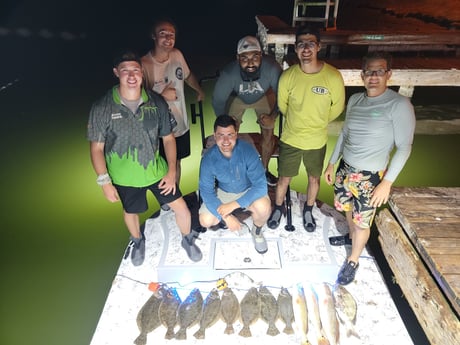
(166, 34)
(378, 73)
(306, 44)
(245, 58)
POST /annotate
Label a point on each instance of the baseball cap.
(127, 55)
(248, 44)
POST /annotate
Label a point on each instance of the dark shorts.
(353, 190)
(290, 158)
(182, 146)
(134, 199)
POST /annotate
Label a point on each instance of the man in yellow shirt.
(311, 94)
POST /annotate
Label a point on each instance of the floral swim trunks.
(353, 190)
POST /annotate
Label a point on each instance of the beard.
(250, 76)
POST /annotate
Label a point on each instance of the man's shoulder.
(105, 99)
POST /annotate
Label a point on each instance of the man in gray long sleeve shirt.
(377, 121)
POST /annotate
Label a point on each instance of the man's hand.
(381, 194)
(169, 93)
(266, 121)
(233, 223)
(168, 184)
(110, 192)
(226, 209)
(329, 174)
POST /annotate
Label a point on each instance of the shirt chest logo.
(319, 90)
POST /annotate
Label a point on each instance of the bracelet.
(103, 179)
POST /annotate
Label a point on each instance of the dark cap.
(127, 55)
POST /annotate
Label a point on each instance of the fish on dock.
(240, 280)
(269, 310)
(346, 307)
(286, 311)
(328, 314)
(148, 317)
(168, 311)
(189, 313)
(300, 313)
(313, 309)
(250, 311)
(210, 313)
(230, 309)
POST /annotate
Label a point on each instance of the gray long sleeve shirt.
(372, 128)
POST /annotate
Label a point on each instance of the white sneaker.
(260, 244)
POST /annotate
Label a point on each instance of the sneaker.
(192, 250)
(347, 272)
(309, 222)
(137, 251)
(259, 240)
(275, 217)
(271, 179)
(340, 240)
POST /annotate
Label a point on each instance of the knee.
(207, 220)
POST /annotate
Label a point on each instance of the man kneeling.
(233, 177)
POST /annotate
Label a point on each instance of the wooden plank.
(431, 308)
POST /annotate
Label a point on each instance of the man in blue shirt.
(232, 177)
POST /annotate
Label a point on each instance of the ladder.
(312, 12)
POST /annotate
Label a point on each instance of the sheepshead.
(148, 318)
(269, 310)
(328, 314)
(189, 313)
(230, 309)
(285, 309)
(346, 308)
(210, 313)
(168, 311)
(250, 311)
(313, 309)
(300, 313)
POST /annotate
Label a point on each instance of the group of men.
(139, 133)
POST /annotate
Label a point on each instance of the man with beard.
(311, 94)
(251, 82)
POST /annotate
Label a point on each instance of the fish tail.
(272, 330)
(199, 334)
(323, 341)
(169, 333)
(181, 334)
(351, 331)
(141, 339)
(288, 329)
(229, 329)
(245, 332)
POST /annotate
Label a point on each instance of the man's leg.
(309, 222)
(281, 190)
(260, 210)
(184, 222)
(137, 244)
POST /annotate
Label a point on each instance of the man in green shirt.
(124, 128)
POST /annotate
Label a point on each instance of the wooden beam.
(431, 308)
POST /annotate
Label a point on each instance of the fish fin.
(229, 329)
(288, 329)
(273, 330)
(181, 334)
(351, 331)
(141, 339)
(199, 334)
(323, 341)
(245, 332)
(169, 333)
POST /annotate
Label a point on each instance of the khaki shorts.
(263, 106)
(290, 158)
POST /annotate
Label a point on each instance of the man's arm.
(168, 182)
(194, 84)
(98, 162)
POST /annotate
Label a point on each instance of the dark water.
(62, 242)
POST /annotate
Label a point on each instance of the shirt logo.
(319, 90)
(116, 116)
(179, 73)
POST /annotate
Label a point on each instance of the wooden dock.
(421, 242)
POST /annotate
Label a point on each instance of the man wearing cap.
(311, 94)
(124, 128)
(251, 82)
